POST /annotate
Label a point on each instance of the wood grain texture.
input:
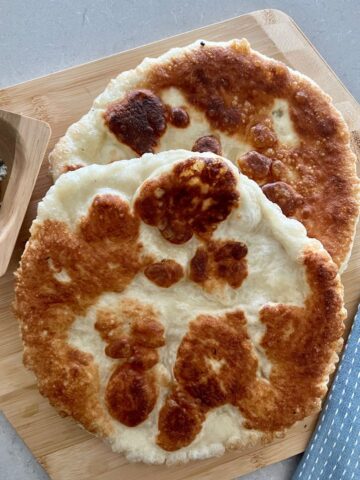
(23, 143)
(64, 449)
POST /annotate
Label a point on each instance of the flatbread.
(173, 310)
(274, 123)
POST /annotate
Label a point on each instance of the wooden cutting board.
(65, 450)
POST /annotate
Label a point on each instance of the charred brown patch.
(195, 197)
(138, 120)
(219, 262)
(199, 266)
(109, 216)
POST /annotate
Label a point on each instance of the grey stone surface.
(16, 461)
(42, 36)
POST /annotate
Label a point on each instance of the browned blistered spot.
(284, 195)
(164, 273)
(216, 362)
(133, 334)
(109, 325)
(199, 265)
(143, 358)
(219, 261)
(235, 90)
(255, 165)
(262, 136)
(138, 120)
(98, 256)
(129, 313)
(278, 170)
(131, 395)
(178, 117)
(194, 197)
(208, 143)
(148, 332)
(119, 348)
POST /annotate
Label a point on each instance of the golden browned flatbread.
(274, 123)
(173, 310)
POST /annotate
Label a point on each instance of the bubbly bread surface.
(275, 124)
(173, 310)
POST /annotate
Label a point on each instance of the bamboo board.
(65, 450)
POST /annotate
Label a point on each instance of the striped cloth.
(334, 450)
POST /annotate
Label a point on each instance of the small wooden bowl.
(23, 143)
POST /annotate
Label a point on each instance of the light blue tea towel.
(334, 450)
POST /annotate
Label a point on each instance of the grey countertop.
(42, 36)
